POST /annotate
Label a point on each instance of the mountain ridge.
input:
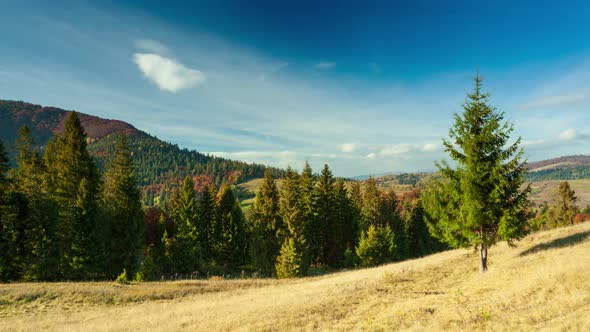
(160, 165)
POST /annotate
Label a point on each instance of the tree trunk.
(483, 258)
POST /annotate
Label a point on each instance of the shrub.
(122, 278)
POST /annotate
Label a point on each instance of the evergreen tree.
(122, 200)
(323, 206)
(38, 230)
(4, 165)
(420, 243)
(289, 261)
(230, 239)
(388, 215)
(293, 214)
(564, 211)
(480, 201)
(370, 209)
(73, 183)
(207, 215)
(186, 256)
(342, 231)
(266, 226)
(10, 214)
(376, 246)
(306, 188)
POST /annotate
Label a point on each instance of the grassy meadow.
(540, 284)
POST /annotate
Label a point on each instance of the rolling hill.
(159, 165)
(541, 284)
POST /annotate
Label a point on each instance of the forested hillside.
(159, 165)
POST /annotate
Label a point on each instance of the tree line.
(63, 219)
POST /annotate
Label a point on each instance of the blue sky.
(365, 86)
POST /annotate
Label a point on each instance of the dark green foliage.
(186, 249)
(370, 208)
(306, 189)
(207, 216)
(389, 216)
(324, 216)
(376, 246)
(147, 270)
(124, 222)
(39, 254)
(292, 211)
(73, 183)
(480, 201)
(229, 239)
(265, 226)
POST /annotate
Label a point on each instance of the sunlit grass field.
(543, 283)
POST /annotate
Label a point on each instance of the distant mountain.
(160, 166)
(561, 168)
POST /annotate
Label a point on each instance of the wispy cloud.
(273, 70)
(572, 134)
(325, 65)
(559, 100)
(168, 74)
(152, 46)
(349, 147)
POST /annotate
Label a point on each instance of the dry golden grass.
(541, 284)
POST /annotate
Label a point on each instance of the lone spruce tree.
(480, 201)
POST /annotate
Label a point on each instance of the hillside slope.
(159, 165)
(540, 284)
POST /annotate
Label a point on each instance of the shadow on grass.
(558, 243)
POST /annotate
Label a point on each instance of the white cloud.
(371, 155)
(168, 74)
(349, 147)
(568, 135)
(533, 143)
(325, 65)
(152, 46)
(396, 150)
(559, 100)
(430, 147)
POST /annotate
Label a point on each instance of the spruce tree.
(185, 215)
(389, 216)
(370, 209)
(230, 239)
(293, 214)
(122, 200)
(38, 235)
(289, 261)
(10, 214)
(266, 226)
(376, 246)
(323, 207)
(306, 188)
(564, 211)
(73, 182)
(342, 230)
(480, 201)
(207, 220)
